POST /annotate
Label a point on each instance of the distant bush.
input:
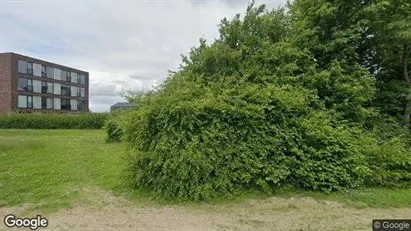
(114, 131)
(53, 121)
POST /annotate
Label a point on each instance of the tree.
(391, 27)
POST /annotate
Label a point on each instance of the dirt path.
(103, 211)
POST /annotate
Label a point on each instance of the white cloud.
(122, 44)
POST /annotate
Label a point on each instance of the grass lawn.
(48, 168)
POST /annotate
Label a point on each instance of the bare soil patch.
(100, 210)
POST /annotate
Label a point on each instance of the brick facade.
(5, 83)
(9, 81)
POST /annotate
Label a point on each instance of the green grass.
(48, 168)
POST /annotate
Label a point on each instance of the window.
(50, 88)
(43, 87)
(74, 78)
(25, 67)
(63, 75)
(29, 84)
(43, 71)
(37, 69)
(57, 74)
(36, 102)
(43, 102)
(81, 79)
(36, 86)
(22, 67)
(49, 103)
(57, 103)
(22, 84)
(22, 101)
(78, 92)
(57, 89)
(25, 101)
(25, 84)
(73, 104)
(82, 92)
(81, 105)
(65, 104)
(74, 90)
(65, 90)
(29, 101)
(68, 76)
(30, 68)
(50, 72)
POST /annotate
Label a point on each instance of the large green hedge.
(246, 137)
(53, 121)
(262, 107)
(192, 146)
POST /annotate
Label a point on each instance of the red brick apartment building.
(32, 85)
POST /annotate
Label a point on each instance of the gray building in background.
(121, 106)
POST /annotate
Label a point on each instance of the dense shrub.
(113, 127)
(244, 137)
(390, 164)
(265, 105)
(53, 121)
(113, 130)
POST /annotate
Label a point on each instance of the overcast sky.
(122, 44)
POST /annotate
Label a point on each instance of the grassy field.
(48, 168)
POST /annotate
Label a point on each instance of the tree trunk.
(407, 111)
